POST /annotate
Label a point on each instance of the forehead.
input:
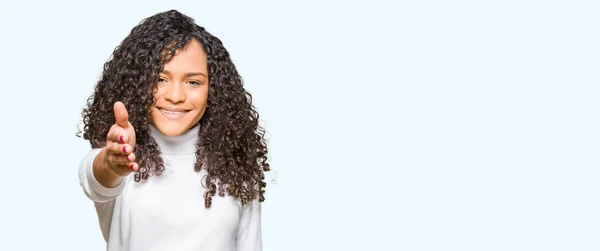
(189, 58)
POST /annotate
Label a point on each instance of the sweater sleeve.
(91, 187)
(249, 236)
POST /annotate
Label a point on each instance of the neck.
(182, 144)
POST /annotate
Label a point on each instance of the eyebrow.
(189, 74)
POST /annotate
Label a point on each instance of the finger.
(128, 168)
(134, 166)
(118, 134)
(124, 170)
(130, 157)
(119, 160)
(115, 148)
(121, 115)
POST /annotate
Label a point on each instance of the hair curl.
(233, 148)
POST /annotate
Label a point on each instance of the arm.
(92, 188)
(101, 172)
(104, 197)
(249, 236)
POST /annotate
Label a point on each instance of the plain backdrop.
(399, 125)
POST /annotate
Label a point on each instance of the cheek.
(200, 98)
(157, 93)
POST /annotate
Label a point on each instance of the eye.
(161, 80)
(193, 82)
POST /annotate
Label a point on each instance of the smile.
(173, 113)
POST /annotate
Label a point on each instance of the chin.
(173, 133)
(171, 130)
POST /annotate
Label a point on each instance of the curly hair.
(233, 149)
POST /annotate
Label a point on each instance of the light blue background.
(414, 125)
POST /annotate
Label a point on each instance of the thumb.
(121, 116)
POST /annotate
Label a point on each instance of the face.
(181, 93)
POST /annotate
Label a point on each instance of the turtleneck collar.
(182, 144)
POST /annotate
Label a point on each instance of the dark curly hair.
(233, 148)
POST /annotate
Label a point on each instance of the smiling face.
(181, 93)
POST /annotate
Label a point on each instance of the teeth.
(171, 112)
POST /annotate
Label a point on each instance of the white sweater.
(167, 212)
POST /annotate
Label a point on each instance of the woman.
(178, 156)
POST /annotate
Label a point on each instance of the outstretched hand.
(120, 142)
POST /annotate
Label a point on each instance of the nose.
(175, 93)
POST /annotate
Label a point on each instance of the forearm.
(91, 186)
(102, 172)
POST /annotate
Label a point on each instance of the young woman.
(178, 155)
